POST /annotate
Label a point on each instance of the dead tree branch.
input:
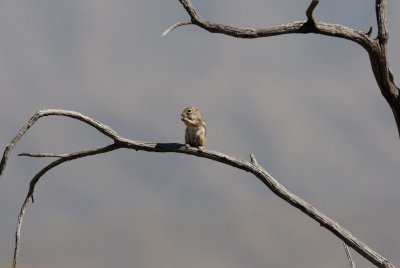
(175, 26)
(349, 258)
(376, 48)
(120, 142)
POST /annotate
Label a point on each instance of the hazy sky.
(306, 105)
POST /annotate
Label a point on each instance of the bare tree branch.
(253, 159)
(379, 62)
(43, 155)
(107, 131)
(170, 29)
(35, 180)
(369, 31)
(249, 166)
(350, 259)
(376, 48)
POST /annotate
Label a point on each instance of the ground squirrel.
(195, 134)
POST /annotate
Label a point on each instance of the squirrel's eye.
(189, 111)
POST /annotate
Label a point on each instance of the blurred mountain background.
(306, 105)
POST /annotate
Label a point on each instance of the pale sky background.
(306, 105)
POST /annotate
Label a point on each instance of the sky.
(307, 106)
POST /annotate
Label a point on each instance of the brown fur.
(195, 134)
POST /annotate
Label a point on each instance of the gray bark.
(119, 142)
(375, 47)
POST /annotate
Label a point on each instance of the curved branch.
(377, 49)
(297, 27)
(104, 129)
(43, 155)
(35, 180)
(249, 166)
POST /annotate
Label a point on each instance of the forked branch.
(376, 48)
(120, 142)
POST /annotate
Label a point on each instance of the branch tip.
(253, 160)
(176, 25)
(43, 155)
(369, 31)
(350, 259)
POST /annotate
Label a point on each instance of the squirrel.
(195, 134)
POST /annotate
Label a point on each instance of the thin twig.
(297, 27)
(176, 25)
(104, 129)
(369, 31)
(349, 256)
(43, 155)
(310, 10)
(36, 179)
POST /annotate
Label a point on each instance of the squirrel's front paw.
(187, 146)
(201, 148)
